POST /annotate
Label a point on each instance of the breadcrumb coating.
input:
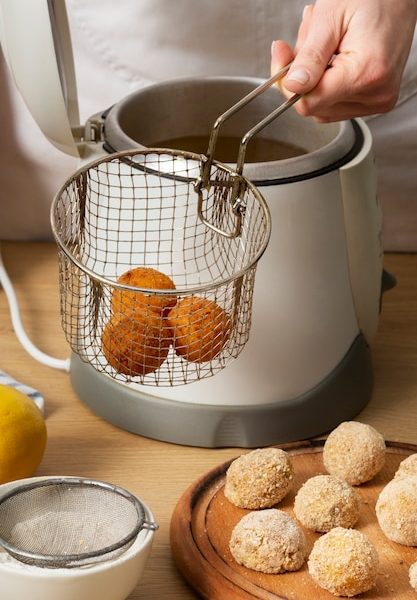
(396, 510)
(407, 467)
(200, 328)
(324, 502)
(344, 562)
(137, 345)
(269, 541)
(413, 576)
(259, 479)
(354, 452)
(126, 301)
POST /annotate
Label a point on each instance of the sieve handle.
(150, 525)
(206, 169)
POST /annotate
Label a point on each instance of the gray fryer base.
(339, 397)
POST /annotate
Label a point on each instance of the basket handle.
(239, 183)
(205, 176)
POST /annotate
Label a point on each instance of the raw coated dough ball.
(354, 452)
(259, 479)
(269, 541)
(126, 301)
(324, 502)
(344, 562)
(200, 328)
(396, 510)
(136, 346)
(407, 467)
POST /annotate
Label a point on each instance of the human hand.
(367, 43)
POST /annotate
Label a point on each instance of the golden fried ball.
(354, 452)
(136, 346)
(259, 479)
(200, 328)
(269, 541)
(396, 510)
(126, 301)
(344, 562)
(324, 502)
(407, 467)
(413, 576)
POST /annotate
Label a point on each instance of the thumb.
(317, 47)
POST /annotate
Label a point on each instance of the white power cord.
(45, 359)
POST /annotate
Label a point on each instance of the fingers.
(346, 91)
(368, 43)
(304, 26)
(318, 40)
(345, 111)
(281, 55)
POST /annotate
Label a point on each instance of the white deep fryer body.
(317, 288)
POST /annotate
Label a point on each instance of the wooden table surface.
(79, 443)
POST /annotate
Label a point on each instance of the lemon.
(22, 435)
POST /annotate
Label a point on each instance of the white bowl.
(111, 580)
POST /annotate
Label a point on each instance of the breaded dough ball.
(259, 479)
(396, 510)
(136, 346)
(413, 576)
(324, 502)
(269, 541)
(354, 452)
(126, 301)
(407, 467)
(344, 562)
(200, 328)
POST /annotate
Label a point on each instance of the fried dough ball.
(413, 576)
(200, 328)
(344, 562)
(259, 479)
(269, 541)
(136, 346)
(407, 467)
(126, 301)
(396, 510)
(324, 502)
(354, 452)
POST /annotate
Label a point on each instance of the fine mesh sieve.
(69, 522)
(193, 228)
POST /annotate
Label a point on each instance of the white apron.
(121, 46)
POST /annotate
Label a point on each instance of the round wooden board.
(203, 520)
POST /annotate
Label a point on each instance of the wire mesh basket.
(157, 255)
(156, 268)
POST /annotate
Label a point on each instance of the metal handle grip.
(238, 182)
(205, 174)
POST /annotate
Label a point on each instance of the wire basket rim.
(195, 289)
(67, 559)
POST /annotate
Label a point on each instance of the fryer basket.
(152, 209)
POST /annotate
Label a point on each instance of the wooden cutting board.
(203, 520)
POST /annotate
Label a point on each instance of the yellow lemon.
(22, 435)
